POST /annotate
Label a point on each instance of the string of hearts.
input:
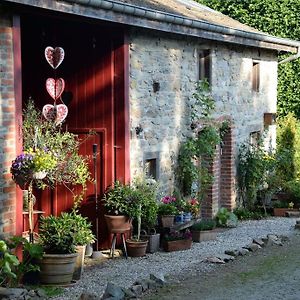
(55, 87)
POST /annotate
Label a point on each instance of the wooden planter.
(167, 221)
(117, 224)
(281, 212)
(136, 248)
(177, 245)
(204, 235)
(57, 269)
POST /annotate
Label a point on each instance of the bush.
(226, 218)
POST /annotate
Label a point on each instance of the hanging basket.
(39, 175)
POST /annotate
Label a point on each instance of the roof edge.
(172, 21)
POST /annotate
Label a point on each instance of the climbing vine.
(197, 152)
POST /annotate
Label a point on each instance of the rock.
(232, 252)
(129, 294)
(243, 251)
(259, 242)
(215, 260)
(137, 289)
(151, 283)
(31, 293)
(41, 293)
(297, 226)
(88, 296)
(12, 293)
(252, 247)
(226, 257)
(159, 278)
(284, 238)
(298, 221)
(113, 291)
(143, 283)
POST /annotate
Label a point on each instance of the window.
(255, 137)
(205, 65)
(150, 168)
(255, 76)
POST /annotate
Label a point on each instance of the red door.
(95, 93)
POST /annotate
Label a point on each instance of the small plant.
(116, 199)
(280, 204)
(8, 264)
(167, 206)
(193, 206)
(31, 253)
(226, 218)
(178, 235)
(245, 214)
(204, 225)
(291, 205)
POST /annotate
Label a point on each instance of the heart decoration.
(54, 56)
(55, 112)
(55, 87)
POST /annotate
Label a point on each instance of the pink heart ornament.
(54, 56)
(58, 113)
(55, 87)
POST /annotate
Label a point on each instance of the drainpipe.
(291, 58)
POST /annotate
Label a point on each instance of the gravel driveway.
(125, 272)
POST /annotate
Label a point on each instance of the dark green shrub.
(204, 225)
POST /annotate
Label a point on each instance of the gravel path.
(125, 272)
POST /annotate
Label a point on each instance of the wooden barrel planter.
(57, 269)
(136, 248)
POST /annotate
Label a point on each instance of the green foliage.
(197, 152)
(31, 253)
(292, 188)
(168, 209)
(54, 150)
(60, 234)
(245, 214)
(257, 174)
(204, 225)
(288, 147)
(277, 17)
(8, 263)
(280, 204)
(225, 218)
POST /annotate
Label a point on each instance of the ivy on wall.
(276, 17)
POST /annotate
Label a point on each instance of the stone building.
(131, 67)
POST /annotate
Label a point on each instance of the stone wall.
(163, 72)
(7, 128)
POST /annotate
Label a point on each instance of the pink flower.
(168, 199)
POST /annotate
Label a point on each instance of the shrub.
(204, 225)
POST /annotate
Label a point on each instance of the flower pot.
(203, 235)
(57, 269)
(39, 175)
(281, 212)
(153, 240)
(136, 248)
(167, 221)
(179, 219)
(117, 224)
(177, 245)
(79, 262)
(187, 217)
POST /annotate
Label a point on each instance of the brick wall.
(7, 129)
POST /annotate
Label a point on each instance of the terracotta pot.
(136, 248)
(79, 262)
(117, 224)
(204, 235)
(177, 245)
(57, 269)
(167, 221)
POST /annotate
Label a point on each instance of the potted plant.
(83, 236)
(177, 240)
(116, 202)
(204, 231)
(59, 236)
(167, 210)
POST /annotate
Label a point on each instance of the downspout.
(291, 58)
